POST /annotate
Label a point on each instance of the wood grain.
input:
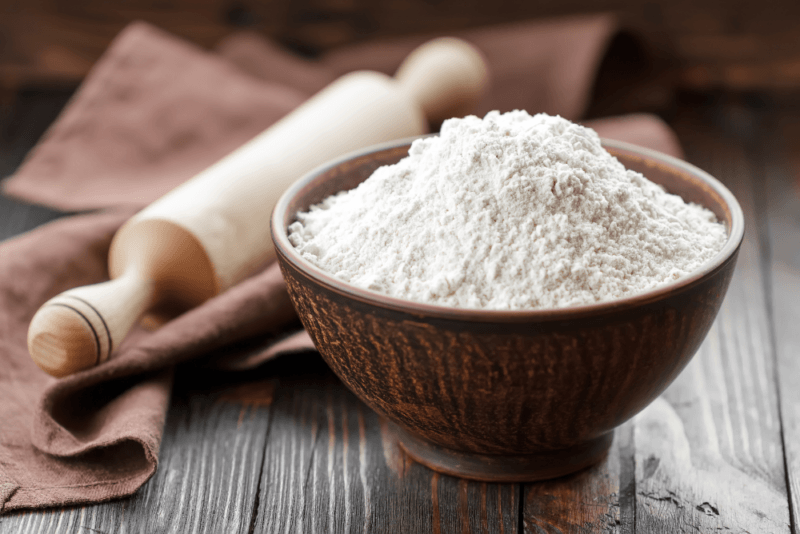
(597, 499)
(333, 466)
(207, 478)
(709, 451)
(780, 150)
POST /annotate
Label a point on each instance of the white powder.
(507, 212)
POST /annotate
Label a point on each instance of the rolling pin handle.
(445, 76)
(80, 328)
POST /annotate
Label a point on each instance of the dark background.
(713, 44)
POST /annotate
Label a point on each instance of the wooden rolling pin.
(213, 231)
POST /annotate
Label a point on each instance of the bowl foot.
(504, 468)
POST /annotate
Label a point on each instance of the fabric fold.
(102, 428)
(152, 113)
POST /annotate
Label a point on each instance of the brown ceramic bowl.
(507, 395)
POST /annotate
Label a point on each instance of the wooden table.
(289, 449)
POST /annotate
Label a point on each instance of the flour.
(507, 212)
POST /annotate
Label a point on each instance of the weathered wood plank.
(781, 213)
(588, 501)
(207, 479)
(708, 452)
(332, 466)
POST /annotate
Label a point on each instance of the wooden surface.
(288, 449)
(715, 43)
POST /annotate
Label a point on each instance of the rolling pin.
(213, 231)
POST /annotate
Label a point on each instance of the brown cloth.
(152, 113)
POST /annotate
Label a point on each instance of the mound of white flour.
(507, 212)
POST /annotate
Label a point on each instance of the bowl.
(507, 396)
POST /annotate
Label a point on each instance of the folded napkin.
(153, 112)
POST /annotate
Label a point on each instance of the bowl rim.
(285, 249)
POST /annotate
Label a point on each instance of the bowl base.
(503, 468)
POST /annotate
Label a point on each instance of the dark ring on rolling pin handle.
(108, 332)
(88, 322)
